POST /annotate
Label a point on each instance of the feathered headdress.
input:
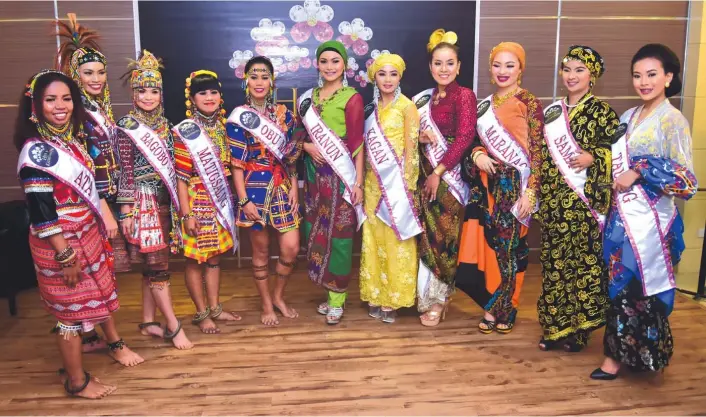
(80, 46)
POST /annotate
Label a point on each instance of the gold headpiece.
(146, 71)
(439, 36)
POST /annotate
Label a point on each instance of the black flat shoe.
(602, 375)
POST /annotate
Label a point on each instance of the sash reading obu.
(503, 147)
(645, 225)
(332, 149)
(396, 206)
(261, 128)
(155, 151)
(435, 153)
(63, 166)
(210, 169)
(562, 147)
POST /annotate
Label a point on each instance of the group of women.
(443, 187)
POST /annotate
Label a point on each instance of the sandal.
(323, 308)
(489, 326)
(388, 316)
(547, 345)
(375, 311)
(432, 318)
(506, 330)
(334, 315)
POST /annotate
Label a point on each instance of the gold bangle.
(440, 169)
(475, 155)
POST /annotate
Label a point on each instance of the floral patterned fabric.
(388, 267)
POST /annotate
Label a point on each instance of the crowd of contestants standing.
(444, 186)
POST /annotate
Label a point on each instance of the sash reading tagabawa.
(396, 206)
(210, 169)
(332, 149)
(155, 151)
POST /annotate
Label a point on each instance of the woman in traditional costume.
(265, 179)
(503, 170)
(389, 263)
(448, 121)
(68, 239)
(333, 117)
(80, 58)
(574, 199)
(643, 238)
(202, 162)
(146, 192)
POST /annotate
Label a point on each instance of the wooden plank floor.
(361, 367)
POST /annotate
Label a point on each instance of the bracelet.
(124, 216)
(475, 155)
(70, 263)
(243, 201)
(187, 216)
(356, 184)
(439, 170)
(66, 254)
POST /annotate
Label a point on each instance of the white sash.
(562, 147)
(64, 166)
(504, 148)
(155, 151)
(262, 128)
(645, 226)
(396, 207)
(452, 177)
(332, 149)
(211, 172)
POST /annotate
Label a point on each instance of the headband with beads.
(216, 85)
(29, 92)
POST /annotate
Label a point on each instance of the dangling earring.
(345, 80)
(492, 81)
(321, 81)
(519, 79)
(376, 94)
(398, 91)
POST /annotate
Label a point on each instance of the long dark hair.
(669, 60)
(26, 129)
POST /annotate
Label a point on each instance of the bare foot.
(182, 342)
(226, 316)
(283, 308)
(93, 346)
(94, 390)
(125, 356)
(268, 317)
(63, 376)
(154, 330)
(208, 326)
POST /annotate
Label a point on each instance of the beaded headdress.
(146, 71)
(29, 90)
(214, 84)
(588, 56)
(80, 47)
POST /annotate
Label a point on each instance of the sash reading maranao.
(396, 206)
(64, 166)
(562, 147)
(155, 151)
(332, 149)
(646, 224)
(210, 169)
(452, 177)
(504, 148)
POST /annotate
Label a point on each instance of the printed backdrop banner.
(222, 36)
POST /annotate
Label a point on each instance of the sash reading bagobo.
(504, 148)
(562, 147)
(645, 226)
(211, 172)
(262, 128)
(396, 207)
(452, 177)
(332, 149)
(64, 166)
(155, 151)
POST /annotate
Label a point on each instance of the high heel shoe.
(432, 318)
(486, 326)
(601, 375)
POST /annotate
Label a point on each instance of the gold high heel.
(433, 318)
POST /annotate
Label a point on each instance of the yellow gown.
(388, 267)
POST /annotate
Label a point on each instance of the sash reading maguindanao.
(332, 149)
(155, 151)
(210, 169)
(645, 226)
(562, 147)
(452, 177)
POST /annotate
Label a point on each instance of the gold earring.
(492, 81)
(667, 85)
(519, 79)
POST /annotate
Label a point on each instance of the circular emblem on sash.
(369, 109)
(483, 107)
(128, 123)
(250, 120)
(43, 155)
(189, 130)
(88, 104)
(304, 107)
(422, 101)
(620, 131)
(552, 114)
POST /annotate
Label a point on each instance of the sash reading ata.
(65, 167)
(396, 206)
(155, 151)
(562, 147)
(645, 224)
(435, 153)
(210, 169)
(503, 147)
(332, 149)
(262, 128)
